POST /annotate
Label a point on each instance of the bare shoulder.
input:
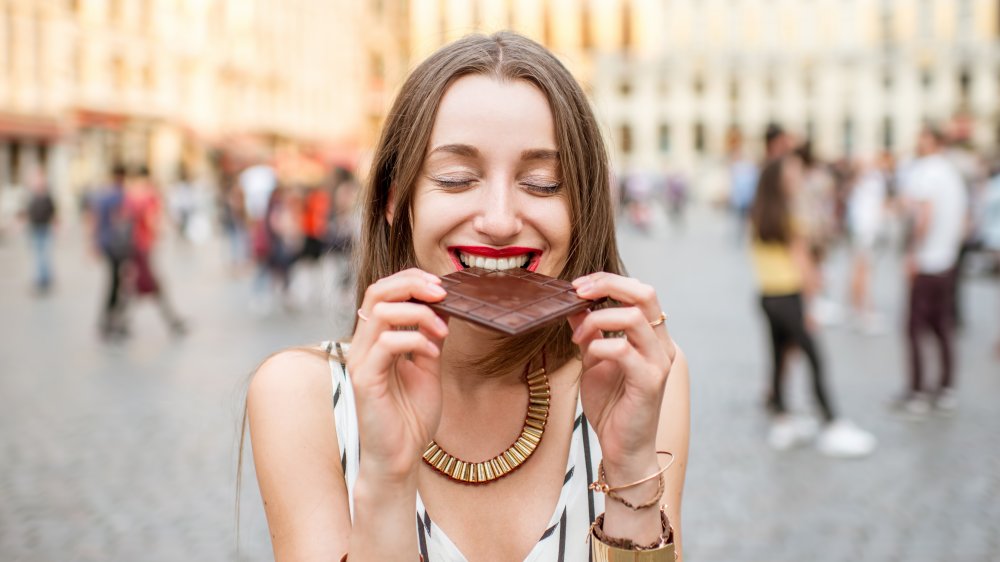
(292, 374)
(289, 397)
(296, 455)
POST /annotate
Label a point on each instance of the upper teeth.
(494, 263)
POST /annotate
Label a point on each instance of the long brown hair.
(770, 215)
(386, 248)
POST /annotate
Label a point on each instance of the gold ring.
(654, 323)
(362, 316)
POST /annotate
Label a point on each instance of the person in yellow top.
(786, 277)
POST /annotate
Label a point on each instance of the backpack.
(119, 239)
(41, 210)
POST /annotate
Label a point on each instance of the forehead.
(489, 113)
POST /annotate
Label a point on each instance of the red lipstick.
(488, 252)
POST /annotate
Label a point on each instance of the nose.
(499, 216)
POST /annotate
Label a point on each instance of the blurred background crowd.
(242, 129)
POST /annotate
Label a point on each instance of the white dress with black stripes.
(565, 538)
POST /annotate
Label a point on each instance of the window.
(888, 140)
(964, 85)
(546, 25)
(627, 39)
(626, 139)
(848, 136)
(663, 137)
(887, 82)
(926, 79)
(699, 137)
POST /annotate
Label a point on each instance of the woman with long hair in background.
(787, 278)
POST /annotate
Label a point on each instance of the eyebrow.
(540, 154)
(458, 149)
(472, 152)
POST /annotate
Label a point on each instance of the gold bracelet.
(608, 549)
(602, 486)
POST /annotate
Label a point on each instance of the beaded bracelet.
(610, 549)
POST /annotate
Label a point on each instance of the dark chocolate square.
(512, 301)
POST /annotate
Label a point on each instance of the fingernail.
(584, 287)
(436, 290)
(580, 281)
(440, 324)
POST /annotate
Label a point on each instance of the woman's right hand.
(395, 373)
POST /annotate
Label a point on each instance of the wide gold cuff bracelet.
(607, 549)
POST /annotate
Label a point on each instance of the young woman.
(490, 149)
(786, 276)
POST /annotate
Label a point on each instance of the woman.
(787, 276)
(491, 145)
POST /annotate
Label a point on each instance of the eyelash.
(543, 189)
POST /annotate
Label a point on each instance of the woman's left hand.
(623, 377)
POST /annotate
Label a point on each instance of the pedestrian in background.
(787, 277)
(40, 213)
(865, 221)
(989, 223)
(815, 206)
(936, 203)
(143, 206)
(112, 238)
(742, 182)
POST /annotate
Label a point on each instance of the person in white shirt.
(937, 204)
(865, 221)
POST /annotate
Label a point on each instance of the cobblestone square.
(127, 452)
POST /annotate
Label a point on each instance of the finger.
(387, 347)
(394, 315)
(616, 350)
(403, 286)
(399, 287)
(387, 315)
(629, 319)
(628, 291)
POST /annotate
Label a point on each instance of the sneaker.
(842, 439)
(788, 431)
(827, 312)
(912, 405)
(946, 401)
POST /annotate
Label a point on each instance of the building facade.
(172, 83)
(670, 79)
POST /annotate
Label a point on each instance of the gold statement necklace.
(539, 395)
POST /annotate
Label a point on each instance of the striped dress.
(565, 538)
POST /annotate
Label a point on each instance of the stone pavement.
(127, 452)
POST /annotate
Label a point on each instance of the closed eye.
(542, 187)
(453, 183)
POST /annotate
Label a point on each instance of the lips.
(494, 258)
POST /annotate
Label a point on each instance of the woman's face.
(490, 191)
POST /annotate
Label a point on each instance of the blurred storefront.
(190, 84)
(214, 84)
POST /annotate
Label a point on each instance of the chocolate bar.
(512, 301)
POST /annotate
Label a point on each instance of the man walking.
(41, 214)
(113, 240)
(936, 202)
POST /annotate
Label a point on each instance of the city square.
(127, 451)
